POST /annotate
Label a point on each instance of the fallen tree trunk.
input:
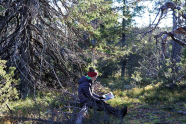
(81, 115)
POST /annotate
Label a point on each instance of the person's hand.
(101, 98)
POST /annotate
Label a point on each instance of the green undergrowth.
(45, 105)
(150, 93)
(149, 102)
(146, 102)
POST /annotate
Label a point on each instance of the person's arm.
(95, 95)
(99, 97)
(89, 94)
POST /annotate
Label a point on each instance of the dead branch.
(183, 76)
(181, 30)
(11, 112)
(177, 40)
(163, 12)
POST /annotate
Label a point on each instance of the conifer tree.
(127, 16)
(41, 38)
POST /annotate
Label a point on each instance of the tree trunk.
(26, 85)
(123, 62)
(176, 48)
(123, 67)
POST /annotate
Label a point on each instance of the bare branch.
(162, 10)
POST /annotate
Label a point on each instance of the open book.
(108, 96)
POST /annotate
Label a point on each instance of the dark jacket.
(85, 91)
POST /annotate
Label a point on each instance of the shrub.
(8, 92)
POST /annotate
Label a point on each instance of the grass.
(47, 105)
(150, 103)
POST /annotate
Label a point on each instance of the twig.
(8, 108)
(177, 80)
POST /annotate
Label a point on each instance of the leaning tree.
(39, 39)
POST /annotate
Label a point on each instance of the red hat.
(92, 74)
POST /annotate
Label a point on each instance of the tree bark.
(123, 62)
(176, 48)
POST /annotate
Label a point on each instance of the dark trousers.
(102, 106)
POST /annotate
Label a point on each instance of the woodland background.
(47, 45)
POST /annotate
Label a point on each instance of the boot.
(124, 111)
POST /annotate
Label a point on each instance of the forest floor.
(157, 113)
(147, 103)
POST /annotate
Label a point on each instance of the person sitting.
(91, 99)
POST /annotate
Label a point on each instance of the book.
(108, 96)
